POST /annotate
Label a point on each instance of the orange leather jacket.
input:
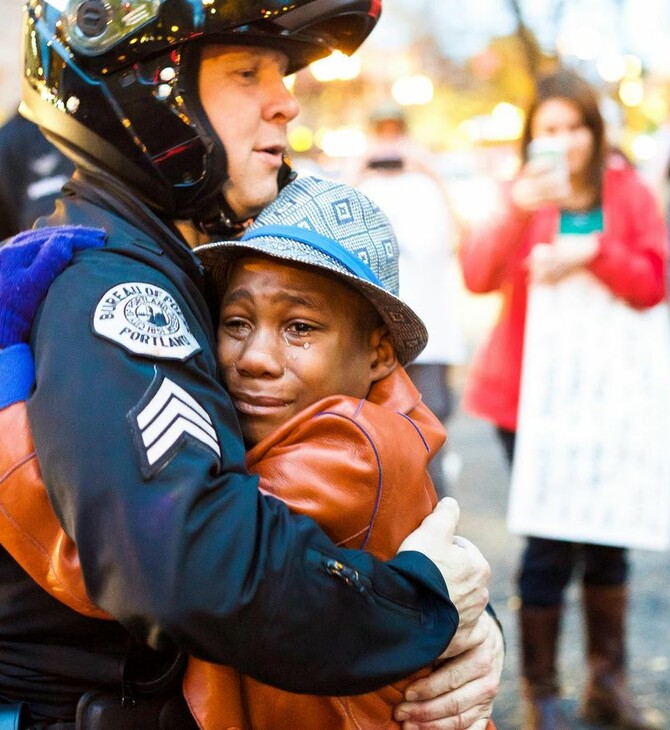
(358, 467)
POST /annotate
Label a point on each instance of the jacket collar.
(395, 392)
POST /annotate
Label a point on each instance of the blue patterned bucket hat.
(334, 227)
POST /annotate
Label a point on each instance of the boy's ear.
(383, 359)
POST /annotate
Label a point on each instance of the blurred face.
(560, 117)
(289, 336)
(243, 94)
(389, 129)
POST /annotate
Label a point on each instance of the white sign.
(592, 459)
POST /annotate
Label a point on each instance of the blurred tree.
(527, 40)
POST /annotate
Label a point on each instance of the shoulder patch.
(165, 420)
(146, 320)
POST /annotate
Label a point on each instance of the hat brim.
(407, 330)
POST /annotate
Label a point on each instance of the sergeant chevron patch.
(166, 419)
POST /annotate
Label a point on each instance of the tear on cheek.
(294, 347)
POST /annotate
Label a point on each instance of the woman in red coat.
(515, 249)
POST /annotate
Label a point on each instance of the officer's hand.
(459, 693)
(464, 569)
(29, 263)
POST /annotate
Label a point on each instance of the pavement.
(479, 480)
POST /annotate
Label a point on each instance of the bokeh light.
(336, 67)
(631, 92)
(300, 138)
(413, 90)
(342, 142)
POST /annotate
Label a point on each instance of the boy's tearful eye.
(236, 327)
(298, 334)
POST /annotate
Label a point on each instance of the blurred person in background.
(32, 173)
(507, 255)
(397, 175)
(655, 169)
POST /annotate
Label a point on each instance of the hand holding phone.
(545, 178)
(550, 155)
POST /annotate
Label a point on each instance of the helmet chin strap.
(218, 220)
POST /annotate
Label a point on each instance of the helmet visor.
(124, 30)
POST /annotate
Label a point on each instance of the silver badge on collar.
(145, 320)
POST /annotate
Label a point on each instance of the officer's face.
(289, 336)
(243, 93)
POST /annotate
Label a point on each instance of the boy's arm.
(29, 263)
(17, 374)
(29, 530)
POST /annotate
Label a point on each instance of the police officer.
(175, 114)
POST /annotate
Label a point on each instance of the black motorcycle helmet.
(113, 83)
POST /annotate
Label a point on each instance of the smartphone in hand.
(553, 151)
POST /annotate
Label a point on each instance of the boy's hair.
(336, 228)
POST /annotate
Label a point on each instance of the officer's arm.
(144, 464)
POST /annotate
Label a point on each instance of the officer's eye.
(249, 73)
